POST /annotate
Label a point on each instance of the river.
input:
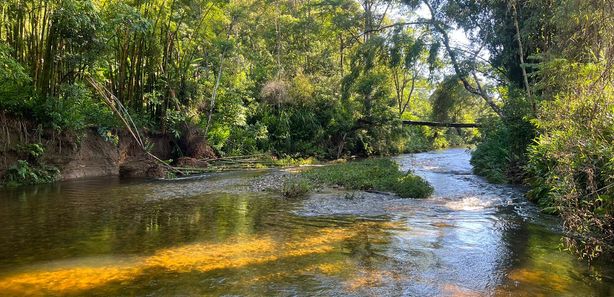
(216, 236)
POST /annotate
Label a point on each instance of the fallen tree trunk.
(440, 124)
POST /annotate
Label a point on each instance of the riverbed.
(218, 235)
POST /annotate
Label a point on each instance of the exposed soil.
(87, 154)
(193, 143)
(191, 162)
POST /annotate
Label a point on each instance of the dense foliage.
(309, 78)
(571, 164)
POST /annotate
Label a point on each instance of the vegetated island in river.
(381, 175)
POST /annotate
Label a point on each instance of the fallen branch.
(440, 124)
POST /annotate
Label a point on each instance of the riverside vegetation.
(329, 80)
(374, 174)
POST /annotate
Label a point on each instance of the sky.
(458, 37)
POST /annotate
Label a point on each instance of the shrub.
(416, 139)
(33, 150)
(275, 92)
(490, 159)
(501, 154)
(31, 171)
(296, 188)
(412, 186)
(22, 173)
(571, 163)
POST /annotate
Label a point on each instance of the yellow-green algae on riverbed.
(237, 253)
(213, 236)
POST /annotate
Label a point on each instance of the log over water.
(440, 124)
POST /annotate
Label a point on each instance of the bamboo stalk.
(122, 113)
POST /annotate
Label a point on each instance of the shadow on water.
(213, 236)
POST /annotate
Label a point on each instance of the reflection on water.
(211, 236)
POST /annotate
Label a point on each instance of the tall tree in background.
(406, 55)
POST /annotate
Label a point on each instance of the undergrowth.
(31, 170)
(24, 173)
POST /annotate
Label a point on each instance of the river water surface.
(216, 236)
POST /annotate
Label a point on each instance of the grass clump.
(296, 187)
(413, 186)
(372, 174)
(289, 161)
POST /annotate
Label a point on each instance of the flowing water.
(215, 236)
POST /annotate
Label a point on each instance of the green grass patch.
(371, 174)
(289, 161)
(296, 187)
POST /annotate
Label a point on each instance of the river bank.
(27, 149)
(92, 152)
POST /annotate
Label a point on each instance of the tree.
(405, 60)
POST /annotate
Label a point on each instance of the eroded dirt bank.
(82, 154)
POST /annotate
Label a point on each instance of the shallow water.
(213, 236)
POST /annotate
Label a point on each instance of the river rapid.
(218, 236)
